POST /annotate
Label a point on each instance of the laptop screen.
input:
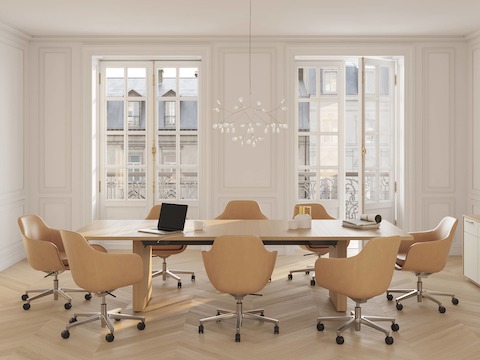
(172, 217)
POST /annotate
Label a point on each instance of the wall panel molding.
(438, 120)
(57, 212)
(55, 120)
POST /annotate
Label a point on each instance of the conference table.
(272, 232)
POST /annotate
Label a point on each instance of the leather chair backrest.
(242, 209)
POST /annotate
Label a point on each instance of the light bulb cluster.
(244, 120)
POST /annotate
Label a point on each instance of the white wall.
(59, 149)
(13, 174)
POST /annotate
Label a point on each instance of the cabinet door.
(470, 260)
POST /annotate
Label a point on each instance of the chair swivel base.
(239, 315)
(355, 320)
(421, 294)
(56, 291)
(105, 318)
(165, 273)
(306, 271)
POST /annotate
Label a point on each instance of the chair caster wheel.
(193, 277)
(141, 325)
(307, 272)
(200, 329)
(179, 285)
(399, 306)
(290, 276)
(312, 282)
(67, 306)
(72, 320)
(395, 327)
(454, 301)
(276, 329)
(389, 340)
(320, 327)
(26, 306)
(65, 334)
(340, 340)
(389, 297)
(442, 309)
(88, 296)
(237, 337)
(109, 337)
(24, 297)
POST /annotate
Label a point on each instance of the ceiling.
(53, 18)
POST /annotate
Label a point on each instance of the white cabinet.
(471, 248)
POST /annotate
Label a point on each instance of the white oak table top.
(272, 232)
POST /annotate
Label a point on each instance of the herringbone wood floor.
(172, 328)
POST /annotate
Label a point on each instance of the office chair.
(242, 209)
(360, 277)
(164, 251)
(45, 252)
(100, 273)
(239, 265)
(318, 212)
(425, 255)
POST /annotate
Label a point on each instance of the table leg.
(339, 301)
(142, 291)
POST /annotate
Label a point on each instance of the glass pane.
(370, 186)
(115, 153)
(115, 115)
(307, 82)
(136, 118)
(189, 185)
(351, 159)
(351, 79)
(351, 122)
(384, 122)
(328, 80)
(166, 153)
(329, 116)
(167, 82)
(384, 158)
(137, 82)
(370, 81)
(188, 150)
(384, 80)
(115, 84)
(188, 81)
(327, 184)
(306, 184)
(136, 184)
(370, 155)
(307, 150)
(188, 115)
(384, 193)
(308, 116)
(328, 150)
(370, 115)
(166, 184)
(166, 115)
(351, 195)
(115, 185)
(136, 149)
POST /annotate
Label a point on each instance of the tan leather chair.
(360, 277)
(318, 212)
(239, 266)
(425, 255)
(242, 209)
(164, 251)
(45, 252)
(100, 273)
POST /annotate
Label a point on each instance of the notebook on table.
(171, 220)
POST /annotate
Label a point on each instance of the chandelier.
(248, 121)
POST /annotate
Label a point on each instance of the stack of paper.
(360, 224)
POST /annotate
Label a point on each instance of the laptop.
(172, 219)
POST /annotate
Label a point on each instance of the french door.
(345, 139)
(148, 149)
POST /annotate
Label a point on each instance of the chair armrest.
(117, 270)
(428, 257)
(43, 255)
(335, 274)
